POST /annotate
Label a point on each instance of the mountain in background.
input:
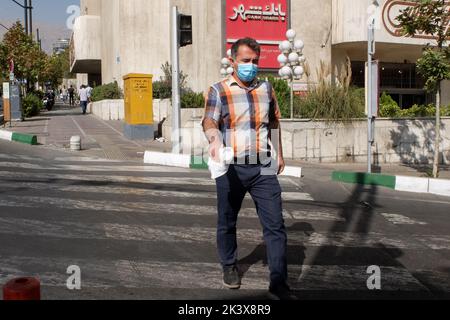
(49, 33)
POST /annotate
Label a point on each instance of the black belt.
(249, 160)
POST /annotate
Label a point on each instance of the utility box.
(138, 96)
(12, 102)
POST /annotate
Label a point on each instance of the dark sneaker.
(281, 293)
(231, 278)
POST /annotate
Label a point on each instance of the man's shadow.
(295, 254)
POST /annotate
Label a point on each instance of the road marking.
(111, 179)
(172, 234)
(80, 129)
(401, 219)
(85, 159)
(114, 178)
(414, 199)
(287, 196)
(435, 242)
(89, 168)
(148, 207)
(104, 274)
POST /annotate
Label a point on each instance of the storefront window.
(400, 80)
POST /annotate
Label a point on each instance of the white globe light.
(225, 62)
(286, 71)
(302, 59)
(293, 57)
(280, 73)
(291, 34)
(229, 53)
(223, 72)
(299, 45)
(285, 46)
(230, 70)
(282, 59)
(299, 71)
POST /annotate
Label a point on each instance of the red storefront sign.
(264, 20)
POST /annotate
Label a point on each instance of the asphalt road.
(143, 232)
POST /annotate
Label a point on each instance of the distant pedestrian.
(64, 94)
(89, 92)
(83, 98)
(71, 92)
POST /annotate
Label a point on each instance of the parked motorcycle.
(49, 101)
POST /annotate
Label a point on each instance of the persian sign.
(392, 9)
(264, 20)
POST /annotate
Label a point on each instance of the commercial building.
(115, 37)
(61, 45)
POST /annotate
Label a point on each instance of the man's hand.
(214, 150)
(212, 133)
(281, 165)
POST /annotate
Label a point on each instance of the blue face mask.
(247, 72)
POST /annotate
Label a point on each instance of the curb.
(399, 183)
(18, 137)
(197, 162)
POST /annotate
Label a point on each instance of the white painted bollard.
(75, 143)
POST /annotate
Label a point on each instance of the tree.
(29, 60)
(56, 68)
(431, 17)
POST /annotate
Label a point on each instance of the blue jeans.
(266, 193)
(84, 106)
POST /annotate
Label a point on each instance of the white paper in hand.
(218, 169)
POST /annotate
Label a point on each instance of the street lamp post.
(372, 92)
(227, 69)
(27, 7)
(292, 62)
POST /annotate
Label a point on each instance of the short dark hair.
(249, 42)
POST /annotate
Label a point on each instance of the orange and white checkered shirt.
(244, 115)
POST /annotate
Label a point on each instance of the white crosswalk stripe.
(287, 196)
(173, 234)
(195, 275)
(70, 188)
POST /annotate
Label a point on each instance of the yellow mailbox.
(138, 92)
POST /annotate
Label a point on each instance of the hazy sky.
(47, 11)
(49, 16)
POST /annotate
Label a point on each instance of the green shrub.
(192, 100)
(107, 92)
(31, 105)
(38, 93)
(162, 90)
(283, 94)
(445, 111)
(332, 102)
(417, 111)
(388, 107)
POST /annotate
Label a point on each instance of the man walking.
(71, 91)
(83, 98)
(242, 114)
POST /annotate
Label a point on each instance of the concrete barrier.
(18, 137)
(439, 187)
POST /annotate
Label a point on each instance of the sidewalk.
(105, 139)
(102, 139)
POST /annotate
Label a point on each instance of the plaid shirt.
(243, 115)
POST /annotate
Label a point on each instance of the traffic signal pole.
(176, 93)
